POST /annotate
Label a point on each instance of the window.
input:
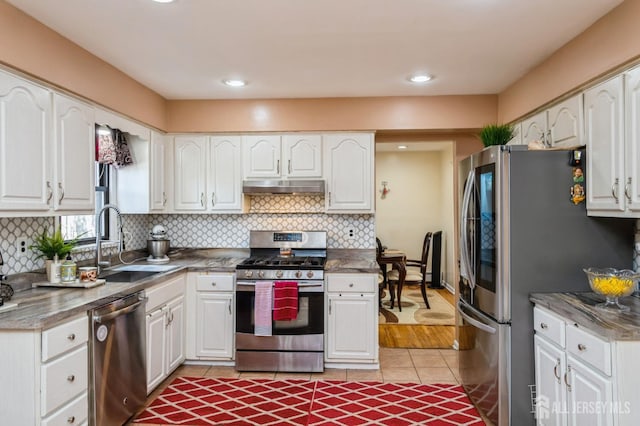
(84, 226)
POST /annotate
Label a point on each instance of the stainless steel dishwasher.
(118, 381)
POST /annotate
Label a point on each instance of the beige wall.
(609, 43)
(419, 201)
(34, 49)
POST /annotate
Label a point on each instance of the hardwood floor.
(418, 336)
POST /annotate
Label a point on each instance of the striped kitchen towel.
(262, 309)
(285, 300)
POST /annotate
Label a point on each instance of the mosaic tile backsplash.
(195, 230)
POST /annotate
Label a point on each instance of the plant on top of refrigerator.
(497, 134)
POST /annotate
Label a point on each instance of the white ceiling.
(319, 48)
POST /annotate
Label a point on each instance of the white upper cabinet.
(559, 126)
(632, 141)
(349, 164)
(289, 156)
(190, 161)
(26, 152)
(224, 171)
(565, 126)
(517, 137)
(161, 168)
(302, 156)
(604, 132)
(261, 156)
(74, 172)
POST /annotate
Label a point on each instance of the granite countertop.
(580, 309)
(42, 307)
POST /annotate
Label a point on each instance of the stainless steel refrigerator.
(520, 233)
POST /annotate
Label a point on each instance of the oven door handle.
(302, 286)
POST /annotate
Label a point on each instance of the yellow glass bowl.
(612, 284)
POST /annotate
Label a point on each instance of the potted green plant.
(497, 134)
(50, 245)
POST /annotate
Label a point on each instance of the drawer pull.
(543, 326)
(350, 284)
(71, 337)
(71, 419)
(582, 347)
(213, 284)
(71, 378)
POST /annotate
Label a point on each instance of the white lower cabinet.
(46, 374)
(352, 319)
(581, 378)
(165, 326)
(211, 320)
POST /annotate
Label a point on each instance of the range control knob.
(298, 274)
(309, 274)
(248, 274)
(279, 274)
(260, 274)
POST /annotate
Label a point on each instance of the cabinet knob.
(213, 284)
(350, 284)
(543, 326)
(71, 378)
(71, 419)
(71, 337)
(582, 347)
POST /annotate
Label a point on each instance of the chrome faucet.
(99, 262)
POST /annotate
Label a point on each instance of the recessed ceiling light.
(419, 78)
(402, 147)
(164, 1)
(235, 83)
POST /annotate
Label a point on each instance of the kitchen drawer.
(589, 348)
(214, 282)
(550, 326)
(352, 283)
(64, 337)
(162, 293)
(64, 379)
(72, 414)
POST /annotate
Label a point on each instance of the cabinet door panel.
(214, 325)
(565, 123)
(302, 156)
(355, 341)
(225, 174)
(603, 133)
(74, 173)
(261, 156)
(632, 141)
(534, 129)
(155, 348)
(588, 391)
(158, 165)
(175, 334)
(25, 145)
(190, 167)
(551, 399)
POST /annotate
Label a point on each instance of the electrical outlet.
(351, 235)
(21, 246)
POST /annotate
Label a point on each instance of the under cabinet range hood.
(283, 187)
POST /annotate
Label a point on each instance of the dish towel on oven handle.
(262, 308)
(285, 300)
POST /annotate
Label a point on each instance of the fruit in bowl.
(612, 284)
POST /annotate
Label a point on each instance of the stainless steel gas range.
(295, 345)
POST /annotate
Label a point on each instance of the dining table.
(398, 261)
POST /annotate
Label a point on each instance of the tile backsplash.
(192, 230)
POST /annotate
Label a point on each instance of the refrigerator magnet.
(578, 175)
(577, 194)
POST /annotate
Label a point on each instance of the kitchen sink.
(143, 268)
(128, 276)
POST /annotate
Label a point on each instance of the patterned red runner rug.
(203, 401)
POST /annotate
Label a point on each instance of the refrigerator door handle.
(477, 323)
(464, 218)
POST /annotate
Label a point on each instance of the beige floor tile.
(436, 375)
(221, 371)
(451, 358)
(330, 374)
(297, 376)
(427, 358)
(401, 374)
(364, 375)
(395, 357)
(257, 375)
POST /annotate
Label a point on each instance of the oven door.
(309, 322)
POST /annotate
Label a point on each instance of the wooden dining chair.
(416, 271)
(382, 275)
